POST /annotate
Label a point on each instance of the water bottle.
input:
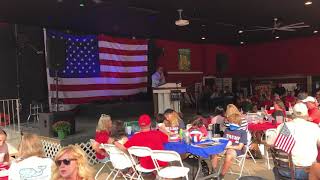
(209, 137)
(187, 137)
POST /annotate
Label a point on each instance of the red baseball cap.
(144, 120)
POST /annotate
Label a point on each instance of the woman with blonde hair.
(71, 163)
(103, 131)
(232, 110)
(173, 119)
(31, 162)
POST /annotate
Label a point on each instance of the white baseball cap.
(309, 99)
(300, 109)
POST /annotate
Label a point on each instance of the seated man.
(147, 138)
(307, 137)
(315, 172)
(238, 138)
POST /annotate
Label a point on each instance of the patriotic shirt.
(236, 137)
(307, 138)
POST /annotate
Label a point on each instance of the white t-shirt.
(307, 137)
(32, 168)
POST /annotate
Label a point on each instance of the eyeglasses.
(64, 161)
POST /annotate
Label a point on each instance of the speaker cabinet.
(56, 53)
(222, 62)
(48, 119)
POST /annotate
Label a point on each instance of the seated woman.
(279, 109)
(4, 152)
(102, 137)
(118, 133)
(238, 138)
(71, 163)
(232, 109)
(172, 123)
(198, 129)
(218, 120)
(31, 162)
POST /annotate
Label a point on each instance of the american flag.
(285, 141)
(99, 68)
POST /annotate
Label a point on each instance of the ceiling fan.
(180, 21)
(278, 26)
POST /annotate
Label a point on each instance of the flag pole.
(47, 65)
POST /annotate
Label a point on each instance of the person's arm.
(6, 158)
(236, 147)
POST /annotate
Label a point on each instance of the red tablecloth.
(261, 127)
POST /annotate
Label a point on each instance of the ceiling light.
(308, 2)
(315, 31)
(277, 37)
(203, 38)
(81, 3)
(241, 42)
(182, 22)
(240, 31)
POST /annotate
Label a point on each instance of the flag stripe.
(122, 52)
(135, 69)
(106, 56)
(97, 87)
(97, 93)
(123, 63)
(123, 75)
(122, 40)
(73, 101)
(101, 80)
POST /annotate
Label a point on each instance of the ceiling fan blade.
(151, 11)
(285, 29)
(226, 24)
(261, 29)
(297, 27)
(296, 24)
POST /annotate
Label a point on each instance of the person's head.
(3, 137)
(231, 109)
(160, 69)
(301, 96)
(197, 122)
(278, 105)
(117, 130)
(104, 123)
(160, 118)
(311, 102)
(235, 119)
(71, 162)
(317, 95)
(219, 111)
(172, 117)
(30, 145)
(254, 108)
(144, 122)
(300, 110)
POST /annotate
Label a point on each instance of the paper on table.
(207, 144)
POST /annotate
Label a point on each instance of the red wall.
(288, 57)
(170, 60)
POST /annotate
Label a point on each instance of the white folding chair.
(120, 161)
(105, 162)
(271, 135)
(241, 159)
(138, 152)
(169, 171)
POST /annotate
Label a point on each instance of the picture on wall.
(184, 60)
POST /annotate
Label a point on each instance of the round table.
(262, 126)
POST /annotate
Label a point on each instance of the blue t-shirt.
(236, 137)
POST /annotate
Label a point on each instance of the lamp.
(180, 21)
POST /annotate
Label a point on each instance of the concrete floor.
(259, 169)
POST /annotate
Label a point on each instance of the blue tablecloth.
(182, 147)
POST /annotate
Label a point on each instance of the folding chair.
(120, 161)
(241, 159)
(282, 160)
(270, 136)
(169, 171)
(105, 163)
(137, 152)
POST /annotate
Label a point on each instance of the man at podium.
(158, 77)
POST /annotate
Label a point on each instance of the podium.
(167, 96)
